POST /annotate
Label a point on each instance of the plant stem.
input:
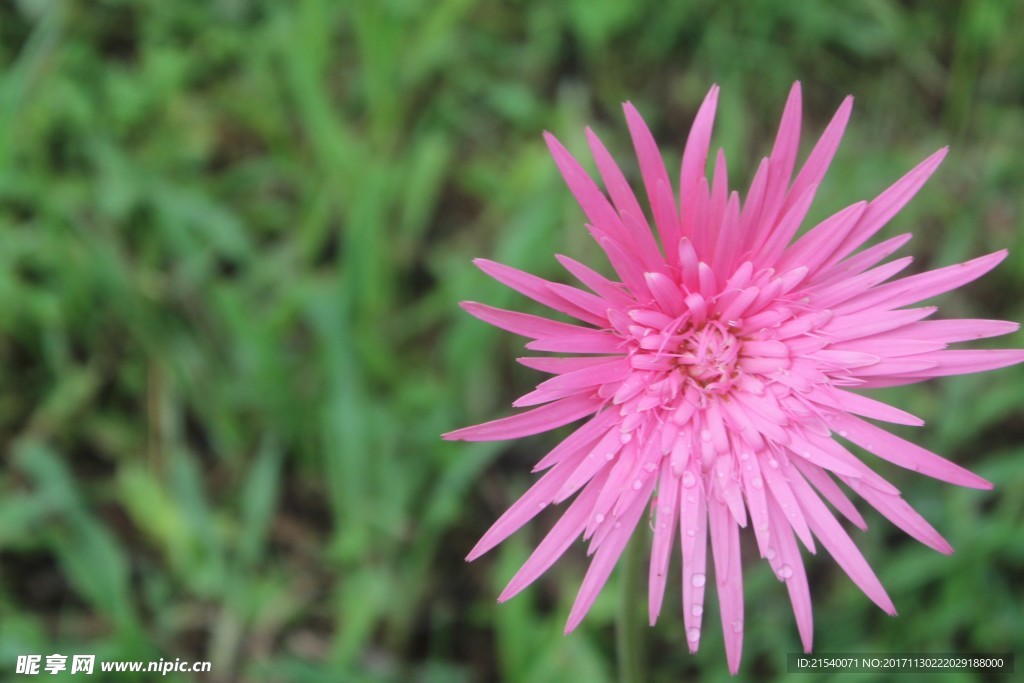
(629, 629)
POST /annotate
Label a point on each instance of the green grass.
(232, 239)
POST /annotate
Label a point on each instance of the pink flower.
(718, 371)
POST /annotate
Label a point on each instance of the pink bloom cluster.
(715, 374)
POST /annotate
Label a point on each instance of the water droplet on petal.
(705, 435)
(693, 634)
(541, 506)
(666, 510)
(806, 454)
(689, 480)
(744, 456)
(737, 626)
(785, 572)
(842, 432)
(769, 554)
(697, 610)
(609, 455)
(690, 532)
(598, 518)
(698, 580)
(774, 464)
(637, 483)
(650, 467)
(757, 482)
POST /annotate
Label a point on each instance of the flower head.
(719, 376)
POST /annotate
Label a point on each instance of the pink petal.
(789, 567)
(652, 168)
(783, 156)
(558, 366)
(536, 498)
(542, 419)
(769, 250)
(886, 205)
(537, 289)
(524, 324)
(664, 531)
(604, 561)
(725, 545)
(566, 530)
(902, 515)
(593, 202)
(869, 323)
(905, 454)
(602, 286)
(869, 407)
(603, 452)
(839, 545)
(589, 341)
(950, 331)
(814, 248)
(855, 288)
(625, 202)
(916, 288)
(583, 438)
(628, 266)
(821, 156)
(864, 260)
(693, 537)
(695, 155)
(960, 362)
(782, 494)
(831, 491)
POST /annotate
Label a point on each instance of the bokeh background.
(233, 234)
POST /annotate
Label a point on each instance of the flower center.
(708, 356)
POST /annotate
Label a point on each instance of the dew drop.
(806, 454)
(757, 482)
(698, 580)
(650, 467)
(697, 610)
(666, 510)
(769, 554)
(541, 506)
(705, 435)
(774, 464)
(842, 432)
(785, 572)
(617, 525)
(690, 532)
(737, 626)
(689, 480)
(609, 455)
(626, 437)
(598, 518)
(637, 483)
(693, 634)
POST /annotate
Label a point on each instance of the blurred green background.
(233, 234)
